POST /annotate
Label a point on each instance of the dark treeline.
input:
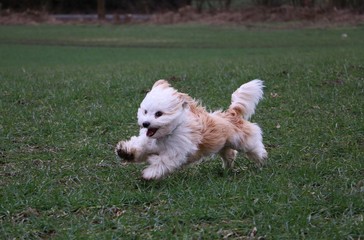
(151, 6)
(87, 6)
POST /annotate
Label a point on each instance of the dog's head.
(162, 110)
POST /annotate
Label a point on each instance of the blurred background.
(177, 11)
(152, 6)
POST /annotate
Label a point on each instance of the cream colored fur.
(176, 130)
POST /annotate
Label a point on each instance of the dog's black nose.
(146, 124)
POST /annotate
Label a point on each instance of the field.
(68, 94)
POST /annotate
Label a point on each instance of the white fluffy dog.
(176, 130)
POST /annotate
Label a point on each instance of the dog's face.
(162, 110)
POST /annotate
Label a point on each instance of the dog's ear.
(162, 83)
(184, 104)
(183, 98)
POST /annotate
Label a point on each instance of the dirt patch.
(247, 16)
(293, 17)
(29, 17)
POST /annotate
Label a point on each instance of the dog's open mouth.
(151, 131)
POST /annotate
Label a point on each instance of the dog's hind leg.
(258, 154)
(253, 145)
(228, 156)
(250, 141)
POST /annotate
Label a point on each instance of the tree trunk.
(101, 9)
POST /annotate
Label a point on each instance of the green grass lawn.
(68, 94)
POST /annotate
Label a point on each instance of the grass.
(68, 94)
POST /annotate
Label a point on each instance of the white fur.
(186, 132)
(248, 95)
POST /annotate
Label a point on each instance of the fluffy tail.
(245, 98)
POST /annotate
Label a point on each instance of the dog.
(175, 130)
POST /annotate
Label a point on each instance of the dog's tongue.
(151, 131)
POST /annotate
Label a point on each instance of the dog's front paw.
(122, 151)
(152, 172)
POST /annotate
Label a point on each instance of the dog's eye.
(158, 114)
(145, 111)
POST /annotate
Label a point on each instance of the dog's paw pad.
(124, 155)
